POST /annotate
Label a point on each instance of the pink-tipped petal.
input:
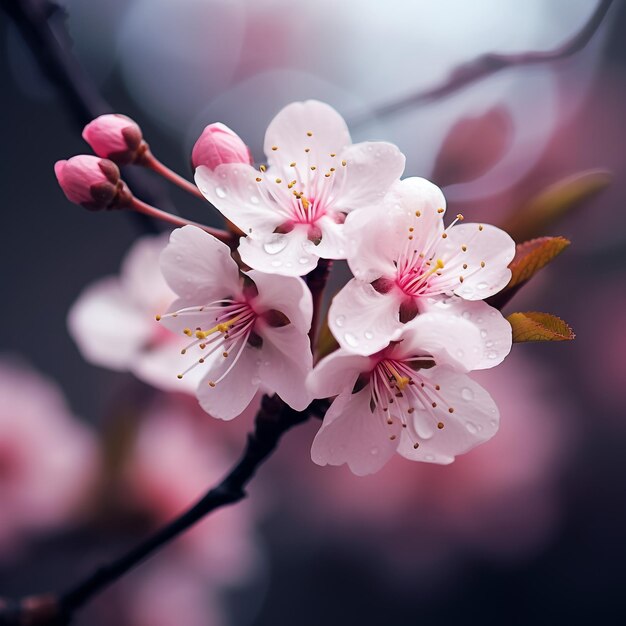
(198, 267)
(485, 250)
(371, 168)
(114, 136)
(362, 320)
(309, 125)
(287, 294)
(494, 329)
(230, 396)
(289, 254)
(352, 434)
(474, 419)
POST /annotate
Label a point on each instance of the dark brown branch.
(272, 422)
(489, 64)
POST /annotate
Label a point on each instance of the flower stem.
(316, 281)
(150, 161)
(148, 209)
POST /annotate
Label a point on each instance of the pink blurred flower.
(92, 182)
(115, 137)
(48, 459)
(250, 328)
(175, 459)
(171, 594)
(405, 262)
(293, 213)
(113, 320)
(501, 500)
(411, 398)
(218, 144)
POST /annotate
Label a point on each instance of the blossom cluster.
(409, 325)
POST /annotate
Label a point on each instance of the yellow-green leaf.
(326, 343)
(554, 202)
(532, 255)
(534, 326)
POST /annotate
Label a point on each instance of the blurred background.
(528, 528)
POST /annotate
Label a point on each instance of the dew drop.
(492, 354)
(368, 334)
(351, 340)
(276, 263)
(220, 192)
(471, 428)
(466, 315)
(303, 260)
(467, 393)
(254, 199)
(275, 244)
(493, 423)
(429, 457)
(374, 451)
(460, 353)
(489, 344)
(255, 380)
(483, 333)
(482, 285)
(340, 321)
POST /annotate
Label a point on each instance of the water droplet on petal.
(374, 451)
(303, 260)
(483, 333)
(276, 263)
(492, 354)
(275, 244)
(255, 380)
(254, 199)
(467, 393)
(479, 320)
(493, 423)
(429, 457)
(220, 192)
(489, 344)
(368, 334)
(460, 353)
(351, 340)
(482, 285)
(467, 315)
(340, 320)
(471, 428)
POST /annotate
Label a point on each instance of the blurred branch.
(489, 64)
(50, 47)
(274, 419)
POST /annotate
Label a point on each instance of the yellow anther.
(157, 318)
(187, 331)
(439, 264)
(279, 180)
(444, 236)
(332, 154)
(439, 210)
(401, 381)
(211, 383)
(262, 168)
(309, 134)
(464, 248)
(344, 163)
(451, 410)
(305, 202)
(274, 148)
(258, 180)
(313, 167)
(482, 264)
(179, 376)
(292, 164)
(480, 227)
(307, 149)
(440, 425)
(460, 217)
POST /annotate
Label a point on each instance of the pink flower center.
(301, 191)
(399, 392)
(228, 329)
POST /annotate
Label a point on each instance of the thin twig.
(487, 65)
(274, 419)
(316, 281)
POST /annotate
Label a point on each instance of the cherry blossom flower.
(113, 324)
(412, 397)
(293, 211)
(48, 460)
(405, 262)
(246, 329)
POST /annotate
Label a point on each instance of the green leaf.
(535, 326)
(556, 201)
(326, 343)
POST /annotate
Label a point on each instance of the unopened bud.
(115, 137)
(92, 182)
(218, 144)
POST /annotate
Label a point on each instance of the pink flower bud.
(115, 137)
(218, 144)
(92, 182)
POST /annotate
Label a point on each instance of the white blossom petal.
(300, 125)
(351, 433)
(198, 267)
(475, 419)
(362, 320)
(336, 373)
